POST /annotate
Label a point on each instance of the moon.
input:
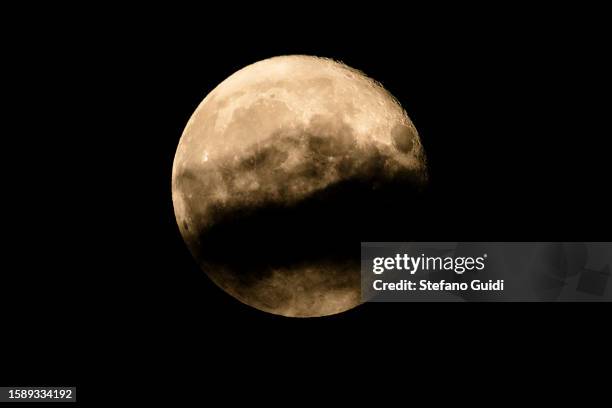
(262, 147)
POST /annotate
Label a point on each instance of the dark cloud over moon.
(271, 156)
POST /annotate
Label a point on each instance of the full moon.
(270, 143)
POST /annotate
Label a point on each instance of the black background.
(98, 287)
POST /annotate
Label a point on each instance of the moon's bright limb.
(276, 133)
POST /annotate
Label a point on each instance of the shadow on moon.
(262, 255)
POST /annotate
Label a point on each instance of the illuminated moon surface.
(265, 143)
